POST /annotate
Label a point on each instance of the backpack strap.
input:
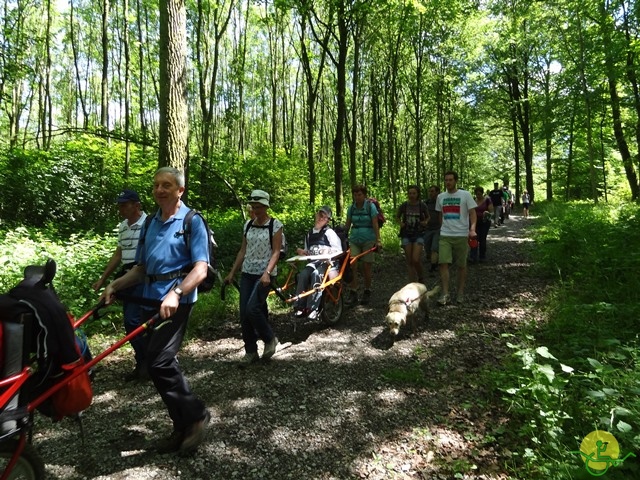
(186, 225)
(270, 227)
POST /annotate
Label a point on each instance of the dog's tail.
(433, 292)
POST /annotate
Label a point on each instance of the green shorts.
(358, 248)
(453, 250)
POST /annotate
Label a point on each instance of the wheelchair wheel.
(29, 466)
(331, 305)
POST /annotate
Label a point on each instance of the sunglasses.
(256, 199)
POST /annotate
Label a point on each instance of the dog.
(406, 304)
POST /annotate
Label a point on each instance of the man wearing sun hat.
(258, 262)
(321, 239)
(124, 256)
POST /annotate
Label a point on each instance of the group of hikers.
(154, 260)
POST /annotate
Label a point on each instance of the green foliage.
(592, 326)
(70, 188)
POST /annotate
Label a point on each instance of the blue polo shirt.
(165, 250)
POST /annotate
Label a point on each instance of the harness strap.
(163, 277)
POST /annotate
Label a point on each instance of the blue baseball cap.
(128, 196)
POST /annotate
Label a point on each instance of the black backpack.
(212, 265)
(283, 247)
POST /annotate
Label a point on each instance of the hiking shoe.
(313, 314)
(366, 296)
(195, 434)
(248, 359)
(301, 313)
(138, 374)
(460, 300)
(171, 443)
(270, 348)
(352, 298)
(444, 299)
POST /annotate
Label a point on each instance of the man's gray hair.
(177, 174)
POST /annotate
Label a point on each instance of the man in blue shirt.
(171, 272)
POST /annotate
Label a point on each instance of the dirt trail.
(336, 403)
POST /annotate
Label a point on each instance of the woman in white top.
(258, 258)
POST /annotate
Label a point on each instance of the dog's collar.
(406, 302)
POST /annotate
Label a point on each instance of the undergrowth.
(579, 371)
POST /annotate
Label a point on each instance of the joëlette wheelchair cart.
(42, 367)
(332, 303)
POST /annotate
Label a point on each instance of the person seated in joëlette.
(321, 239)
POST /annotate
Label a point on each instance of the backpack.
(39, 331)
(212, 265)
(283, 247)
(342, 235)
(381, 218)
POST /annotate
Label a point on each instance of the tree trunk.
(104, 84)
(174, 126)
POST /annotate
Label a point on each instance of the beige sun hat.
(259, 196)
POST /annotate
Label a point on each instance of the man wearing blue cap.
(124, 257)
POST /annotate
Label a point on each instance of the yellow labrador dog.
(406, 304)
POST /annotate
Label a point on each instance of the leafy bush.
(579, 371)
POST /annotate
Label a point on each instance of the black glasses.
(256, 199)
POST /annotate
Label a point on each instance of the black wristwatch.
(178, 291)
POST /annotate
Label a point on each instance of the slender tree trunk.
(47, 119)
(141, 72)
(76, 67)
(127, 86)
(104, 84)
(341, 73)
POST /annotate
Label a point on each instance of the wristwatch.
(178, 291)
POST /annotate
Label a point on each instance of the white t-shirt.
(128, 236)
(455, 212)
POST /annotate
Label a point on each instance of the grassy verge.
(579, 371)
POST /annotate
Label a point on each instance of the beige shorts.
(358, 248)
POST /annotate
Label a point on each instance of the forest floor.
(341, 402)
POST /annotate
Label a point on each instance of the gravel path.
(335, 403)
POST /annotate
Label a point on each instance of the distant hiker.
(526, 201)
(498, 202)
(483, 209)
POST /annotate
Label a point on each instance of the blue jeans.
(132, 313)
(254, 316)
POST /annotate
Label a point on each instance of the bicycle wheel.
(331, 305)
(29, 466)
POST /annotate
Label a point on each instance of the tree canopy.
(541, 96)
